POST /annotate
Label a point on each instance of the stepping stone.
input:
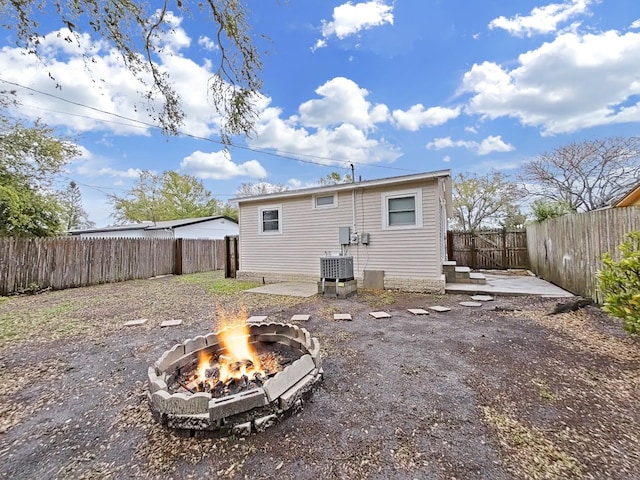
(133, 323)
(438, 308)
(342, 316)
(482, 298)
(300, 318)
(257, 319)
(379, 314)
(170, 323)
(471, 304)
(418, 311)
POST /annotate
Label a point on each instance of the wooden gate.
(232, 257)
(489, 249)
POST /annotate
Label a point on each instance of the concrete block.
(314, 351)
(238, 403)
(289, 398)
(378, 315)
(194, 344)
(417, 311)
(482, 298)
(262, 423)
(471, 304)
(260, 328)
(257, 319)
(373, 279)
(170, 323)
(170, 356)
(133, 323)
(300, 318)
(342, 316)
(211, 339)
(438, 308)
(157, 385)
(180, 403)
(284, 380)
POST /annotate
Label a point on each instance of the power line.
(197, 137)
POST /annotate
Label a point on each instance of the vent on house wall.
(336, 268)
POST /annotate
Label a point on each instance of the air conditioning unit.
(336, 268)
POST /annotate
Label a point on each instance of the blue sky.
(392, 87)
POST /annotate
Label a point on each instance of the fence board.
(568, 250)
(60, 263)
(490, 249)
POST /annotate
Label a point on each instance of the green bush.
(619, 282)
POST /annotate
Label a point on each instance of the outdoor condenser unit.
(336, 268)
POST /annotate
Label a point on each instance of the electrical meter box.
(344, 235)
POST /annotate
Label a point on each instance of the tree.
(585, 175)
(484, 201)
(73, 215)
(335, 178)
(166, 196)
(259, 188)
(30, 159)
(136, 30)
(619, 282)
(544, 209)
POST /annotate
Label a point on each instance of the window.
(325, 201)
(402, 209)
(270, 220)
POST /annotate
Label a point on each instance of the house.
(393, 225)
(204, 227)
(632, 197)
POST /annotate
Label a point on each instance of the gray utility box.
(336, 268)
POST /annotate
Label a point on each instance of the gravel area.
(499, 391)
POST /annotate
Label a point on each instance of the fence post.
(474, 251)
(449, 245)
(504, 248)
(178, 256)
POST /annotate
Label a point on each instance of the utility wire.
(197, 137)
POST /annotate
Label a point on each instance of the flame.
(238, 357)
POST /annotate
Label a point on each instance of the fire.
(238, 358)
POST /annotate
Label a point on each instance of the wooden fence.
(489, 249)
(568, 250)
(58, 263)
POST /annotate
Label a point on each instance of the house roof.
(148, 225)
(345, 186)
(632, 197)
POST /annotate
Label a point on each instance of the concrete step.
(449, 266)
(477, 279)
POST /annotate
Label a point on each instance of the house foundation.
(338, 289)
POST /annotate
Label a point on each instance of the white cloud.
(470, 129)
(343, 102)
(489, 145)
(107, 84)
(208, 44)
(112, 172)
(636, 24)
(574, 82)
(350, 18)
(446, 159)
(219, 166)
(541, 20)
(417, 116)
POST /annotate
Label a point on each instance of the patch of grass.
(51, 322)
(215, 284)
(3, 299)
(530, 454)
(379, 298)
(543, 389)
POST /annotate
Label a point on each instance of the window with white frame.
(271, 220)
(325, 201)
(402, 209)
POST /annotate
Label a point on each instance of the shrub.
(619, 282)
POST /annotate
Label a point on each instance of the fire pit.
(241, 379)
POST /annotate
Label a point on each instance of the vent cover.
(336, 268)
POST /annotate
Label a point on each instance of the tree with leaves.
(544, 209)
(587, 175)
(484, 201)
(136, 29)
(334, 178)
(167, 196)
(30, 159)
(73, 215)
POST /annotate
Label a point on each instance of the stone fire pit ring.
(242, 413)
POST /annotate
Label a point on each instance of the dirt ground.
(474, 393)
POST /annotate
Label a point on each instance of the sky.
(390, 87)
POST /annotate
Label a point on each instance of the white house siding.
(410, 258)
(213, 229)
(138, 233)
